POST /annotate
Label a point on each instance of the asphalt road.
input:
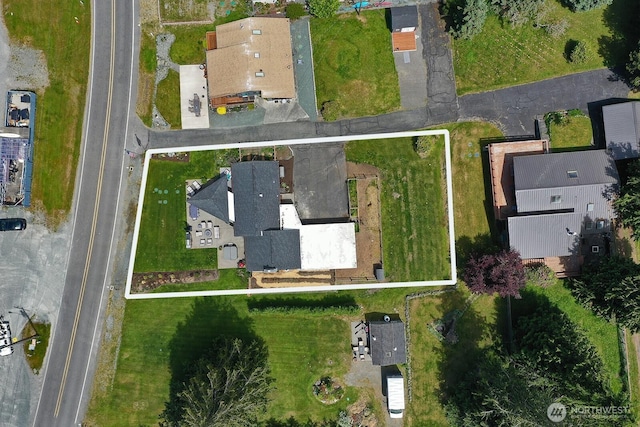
(69, 372)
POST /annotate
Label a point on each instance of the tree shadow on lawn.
(456, 359)
(622, 18)
(209, 319)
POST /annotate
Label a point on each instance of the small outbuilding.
(622, 129)
(387, 342)
(404, 23)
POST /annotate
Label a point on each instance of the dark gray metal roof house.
(542, 236)
(256, 191)
(213, 198)
(622, 129)
(404, 18)
(273, 250)
(576, 181)
(561, 197)
(387, 343)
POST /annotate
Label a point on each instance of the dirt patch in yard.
(146, 282)
(368, 236)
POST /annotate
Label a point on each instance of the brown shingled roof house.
(248, 58)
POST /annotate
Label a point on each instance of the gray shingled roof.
(622, 129)
(550, 170)
(387, 343)
(278, 249)
(404, 17)
(541, 236)
(213, 198)
(256, 190)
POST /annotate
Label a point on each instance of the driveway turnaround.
(442, 102)
(513, 109)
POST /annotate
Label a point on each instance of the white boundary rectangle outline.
(145, 172)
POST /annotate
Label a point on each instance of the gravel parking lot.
(32, 267)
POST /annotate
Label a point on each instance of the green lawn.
(158, 333)
(504, 56)
(50, 27)
(168, 99)
(574, 134)
(162, 230)
(437, 366)
(472, 203)
(414, 222)
(183, 10)
(353, 65)
(634, 375)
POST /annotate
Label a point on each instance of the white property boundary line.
(306, 141)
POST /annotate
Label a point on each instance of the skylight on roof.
(572, 174)
(256, 32)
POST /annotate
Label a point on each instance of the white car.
(5, 339)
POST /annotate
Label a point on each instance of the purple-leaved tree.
(502, 272)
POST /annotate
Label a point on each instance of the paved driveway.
(513, 109)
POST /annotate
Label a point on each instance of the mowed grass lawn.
(414, 218)
(168, 99)
(437, 366)
(504, 56)
(575, 134)
(157, 333)
(353, 65)
(50, 27)
(161, 242)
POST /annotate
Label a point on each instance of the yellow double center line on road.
(95, 212)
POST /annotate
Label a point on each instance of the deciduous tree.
(501, 273)
(633, 68)
(627, 205)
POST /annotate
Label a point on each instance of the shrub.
(540, 275)
(323, 8)
(584, 5)
(295, 11)
(517, 12)
(330, 110)
(467, 17)
(423, 144)
(578, 53)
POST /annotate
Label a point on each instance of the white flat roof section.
(328, 246)
(193, 83)
(320, 235)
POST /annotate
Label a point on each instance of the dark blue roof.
(213, 198)
(275, 249)
(256, 191)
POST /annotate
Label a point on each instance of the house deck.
(360, 342)
(403, 41)
(501, 166)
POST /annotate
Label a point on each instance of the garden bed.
(147, 282)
